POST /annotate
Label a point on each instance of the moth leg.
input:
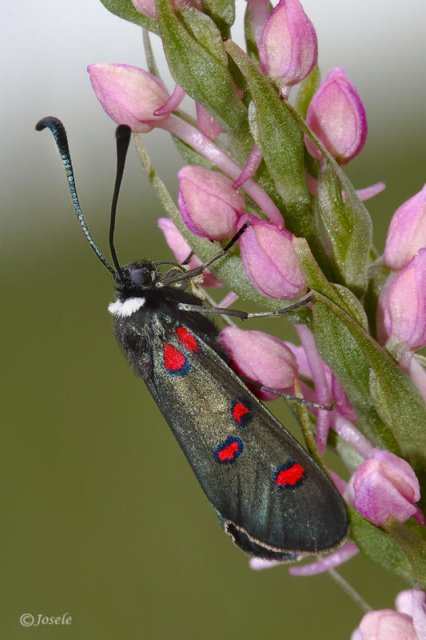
(244, 315)
(192, 273)
(288, 396)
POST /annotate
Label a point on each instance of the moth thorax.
(126, 308)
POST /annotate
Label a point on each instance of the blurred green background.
(102, 517)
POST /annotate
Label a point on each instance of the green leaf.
(380, 547)
(195, 54)
(318, 282)
(352, 305)
(342, 353)
(414, 548)
(222, 12)
(204, 31)
(251, 44)
(305, 425)
(342, 341)
(281, 142)
(351, 352)
(124, 9)
(348, 232)
(306, 91)
(378, 273)
(360, 247)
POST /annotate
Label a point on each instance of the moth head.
(135, 278)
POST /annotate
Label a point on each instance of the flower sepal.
(348, 232)
(379, 546)
(197, 60)
(128, 12)
(281, 141)
(338, 333)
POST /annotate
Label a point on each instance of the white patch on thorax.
(127, 308)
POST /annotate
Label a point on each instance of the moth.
(271, 497)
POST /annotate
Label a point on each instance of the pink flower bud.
(270, 260)
(262, 358)
(407, 231)
(207, 202)
(288, 48)
(182, 250)
(206, 123)
(412, 602)
(129, 95)
(338, 394)
(403, 303)
(147, 7)
(337, 116)
(385, 624)
(342, 555)
(385, 486)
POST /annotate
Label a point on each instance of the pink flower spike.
(208, 204)
(407, 231)
(340, 484)
(352, 436)
(370, 192)
(129, 95)
(229, 299)
(172, 102)
(252, 164)
(258, 12)
(205, 147)
(258, 564)
(412, 602)
(175, 240)
(341, 400)
(182, 250)
(385, 624)
(345, 553)
(322, 391)
(338, 393)
(262, 358)
(385, 486)
(288, 47)
(404, 305)
(337, 116)
(270, 260)
(207, 125)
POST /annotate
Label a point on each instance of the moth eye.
(141, 276)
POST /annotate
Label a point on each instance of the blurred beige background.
(102, 517)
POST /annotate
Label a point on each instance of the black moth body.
(270, 495)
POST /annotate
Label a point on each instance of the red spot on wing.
(174, 360)
(228, 453)
(289, 475)
(187, 339)
(228, 450)
(239, 410)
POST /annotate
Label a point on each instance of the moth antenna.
(122, 136)
(188, 275)
(60, 136)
